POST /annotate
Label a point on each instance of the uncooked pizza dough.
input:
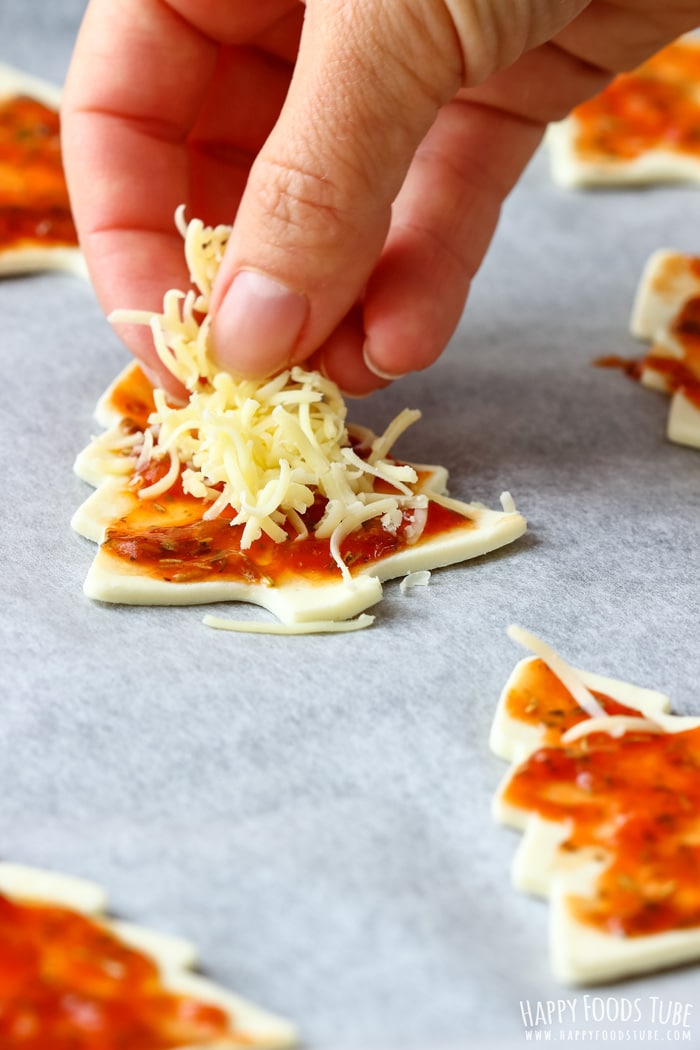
(98, 985)
(607, 803)
(163, 551)
(666, 313)
(643, 128)
(258, 491)
(387, 518)
(36, 228)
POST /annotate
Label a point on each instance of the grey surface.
(314, 811)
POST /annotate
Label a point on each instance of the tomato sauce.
(682, 373)
(194, 550)
(679, 373)
(170, 541)
(634, 800)
(68, 983)
(651, 108)
(132, 398)
(541, 699)
(34, 205)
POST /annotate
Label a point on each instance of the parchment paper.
(314, 811)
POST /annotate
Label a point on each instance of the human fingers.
(368, 83)
(120, 118)
(144, 130)
(442, 222)
(446, 213)
(444, 219)
(617, 35)
(448, 207)
(341, 359)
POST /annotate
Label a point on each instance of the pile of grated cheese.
(264, 448)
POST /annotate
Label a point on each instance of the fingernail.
(256, 327)
(374, 369)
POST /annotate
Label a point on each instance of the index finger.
(140, 72)
(134, 87)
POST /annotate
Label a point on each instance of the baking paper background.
(314, 811)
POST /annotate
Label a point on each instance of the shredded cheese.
(166, 482)
(508, 503)
(558, 666)
(264, 448)
(308, 627)
(420, 578)
(614, 725)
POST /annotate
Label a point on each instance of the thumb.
(368, 82)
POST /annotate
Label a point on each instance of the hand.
(363, 148)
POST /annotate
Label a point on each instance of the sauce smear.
(679, 373)
(682, 373)
(168, 538)
(654, 107)
(34, 206)
(68, 983)
(634, 800)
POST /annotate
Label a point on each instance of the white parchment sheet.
(314, 811)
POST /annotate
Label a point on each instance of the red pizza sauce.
(68, 983)
(679, 373)
(633, 800)
(682, 373)
(132, 399)
(541, 699)
(34, 206)
(194, 550)
(168, 538)
(631, 366)
(648, 109)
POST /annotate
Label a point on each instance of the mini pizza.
(644, 127)
(666, 313)
(72, 979)
(258, 491)
(36, 226)
(605, 786)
